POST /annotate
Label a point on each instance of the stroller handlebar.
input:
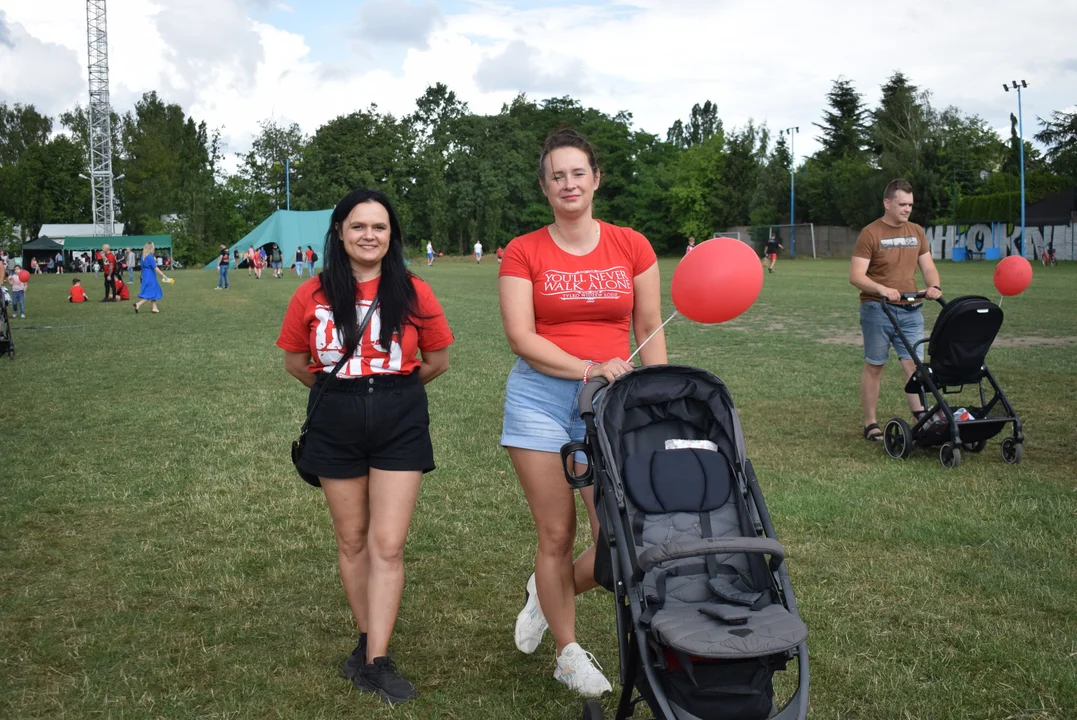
(911, 296)
(587, 394)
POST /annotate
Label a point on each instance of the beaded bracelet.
(587, 371)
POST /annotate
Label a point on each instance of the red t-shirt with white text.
(309, 327)
(583, 303)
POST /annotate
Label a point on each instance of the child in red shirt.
(78, 294)
(121, 289)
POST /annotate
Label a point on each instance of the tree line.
(457, 176)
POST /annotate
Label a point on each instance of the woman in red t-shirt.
(570, 292)
(368, 441)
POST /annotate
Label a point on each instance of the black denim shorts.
(379, 422)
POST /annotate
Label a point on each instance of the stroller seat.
(717, 606)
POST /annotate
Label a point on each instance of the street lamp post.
(1021, 150)
(287, 184)
(792, 190)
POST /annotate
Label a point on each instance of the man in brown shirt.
(884, 264)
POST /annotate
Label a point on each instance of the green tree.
(703, 124)
(844, 132)
(263, 166)
(1059, 133)
(21, 127)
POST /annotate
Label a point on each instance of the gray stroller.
(704, 618)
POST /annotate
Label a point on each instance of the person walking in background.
(250, 261)
(310, 255)
(130, 257)
(499, 253)
(370, 477)
(562, 338)
(691, 245)
(478, 252)
(429, 253)
(277, 261)
(222, 268)
(771, 251)
(299, 262)
(18, 292)
(151, 289)
(60, 262)
(884, 264)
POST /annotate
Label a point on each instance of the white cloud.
(397, 22)
(773, 62)
(34, 71)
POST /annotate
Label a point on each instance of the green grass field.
(159, 557)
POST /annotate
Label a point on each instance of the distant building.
(56, 231)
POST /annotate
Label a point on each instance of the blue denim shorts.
(541, 412)
(880, 334)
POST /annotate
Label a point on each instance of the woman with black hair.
(368, 441)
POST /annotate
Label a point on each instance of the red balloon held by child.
(24, 276)
(1013, 275)
(717, 281)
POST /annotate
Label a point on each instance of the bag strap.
(340, 363)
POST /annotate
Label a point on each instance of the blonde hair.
(147, 249)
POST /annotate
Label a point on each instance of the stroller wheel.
(592, 711)
(949, 455)
(897, 438)
(1012, 451)
(974, 446)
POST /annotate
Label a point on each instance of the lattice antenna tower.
(104, 214)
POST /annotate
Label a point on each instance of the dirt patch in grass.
(1034, 340)
(854, 338)
(842, 338)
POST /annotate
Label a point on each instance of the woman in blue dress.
(151, 289)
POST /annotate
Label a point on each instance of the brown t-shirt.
(892, 254)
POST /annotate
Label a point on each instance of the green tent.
(289, 229)
(44, 244)
(115, 242)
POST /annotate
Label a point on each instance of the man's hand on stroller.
(933, 293)
(889, 293)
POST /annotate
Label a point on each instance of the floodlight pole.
(792, 190)
(287, 184)
(1021, 152)
(100, 116)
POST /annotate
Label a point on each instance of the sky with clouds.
(233, 63)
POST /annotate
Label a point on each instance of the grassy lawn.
(159, 557)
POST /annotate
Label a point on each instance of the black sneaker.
(381, 677)
(356, 660)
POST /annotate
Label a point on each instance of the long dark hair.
(395, 289)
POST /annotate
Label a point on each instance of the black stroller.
(7, 343)
(963, 333)
(704, 620)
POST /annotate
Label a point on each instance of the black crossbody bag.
(297, 444)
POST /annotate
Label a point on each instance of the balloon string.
(651, 336)
(1000, 299)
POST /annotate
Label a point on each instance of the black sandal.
(871, 437)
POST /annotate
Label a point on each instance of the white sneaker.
(579, 670)
(530, 623)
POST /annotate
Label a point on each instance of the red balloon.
(1013, 275)
(24, 276)
(717, 281)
